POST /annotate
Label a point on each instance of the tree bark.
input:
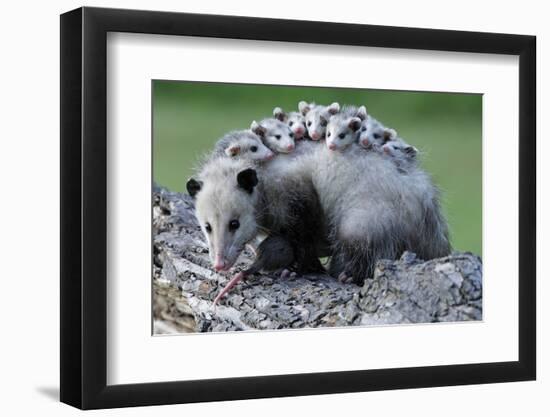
(408, 290)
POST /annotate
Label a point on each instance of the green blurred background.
(188, 118)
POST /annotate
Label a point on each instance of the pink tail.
(236, 279)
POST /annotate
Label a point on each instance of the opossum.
(235, 200)
(375, 212)
(295, 120)
(275, 134)
(401, 153)
(242, 144)
(317, 117)
(373, 134)
(342, 128)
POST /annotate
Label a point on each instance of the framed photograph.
(259, 208)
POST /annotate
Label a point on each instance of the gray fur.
(276, 135)
(295, 121)
(373, 134)
(242, 144)
(282, 204)
(375, 212)
(317, 117)
(342, 129)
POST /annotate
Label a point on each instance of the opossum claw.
(344, 279)
(284, 273)
(238, 277)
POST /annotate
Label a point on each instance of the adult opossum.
(236, 199)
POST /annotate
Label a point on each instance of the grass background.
(189, 117)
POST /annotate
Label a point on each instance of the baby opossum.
(242, 144)
(295, 120)
(235, 200)
(373, 134)
(275, 134)
(342, 128)
(402, 154)
(374, 212)
(317, 117)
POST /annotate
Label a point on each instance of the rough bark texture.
(408, 290)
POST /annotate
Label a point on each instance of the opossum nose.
(386, 150)
(315, 136)
(299, 131)
(219, 263)
(290, 147)
(269, 156)
(332, 146)
(365, 142)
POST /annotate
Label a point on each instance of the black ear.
(411, 151)
(193, 186)
(279, 114)
(354, 123)
(258, 129)
(247, 180)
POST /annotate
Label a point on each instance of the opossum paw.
(293, 275)
(284, 273)
(344, 278)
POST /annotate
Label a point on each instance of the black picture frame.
(84, 207)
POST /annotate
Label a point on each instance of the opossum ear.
(193, 186)
(354, 123)
(303, 107)
(362, 112)
(247, 180)
(333, 108)
(233, 150)
(411, 151)
(390, 134)
(257, 128)
(279, 114)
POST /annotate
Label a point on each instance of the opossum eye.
(208, 228)
(290, 123)
(363, 128)
(328, 135)
(377, 136)
(342, 135)
(323, 122)
(234, 225)
(253, 148)
(277, 137)
(309, 123)
(291, 134)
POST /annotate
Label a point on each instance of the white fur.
(276, 135)
(317, 117)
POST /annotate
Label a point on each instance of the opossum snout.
(365, 142)
(269, 156)
(332, 146)
(299, 132)
(290, 147)
(220, 264)
(386, 149)
(315, 136)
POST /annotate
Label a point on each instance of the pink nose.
(290, 147)
(219, 263)
(269, 156)
(386, 150)
(299, 131)
(315, 136)
(365, 142)
(332, 146)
